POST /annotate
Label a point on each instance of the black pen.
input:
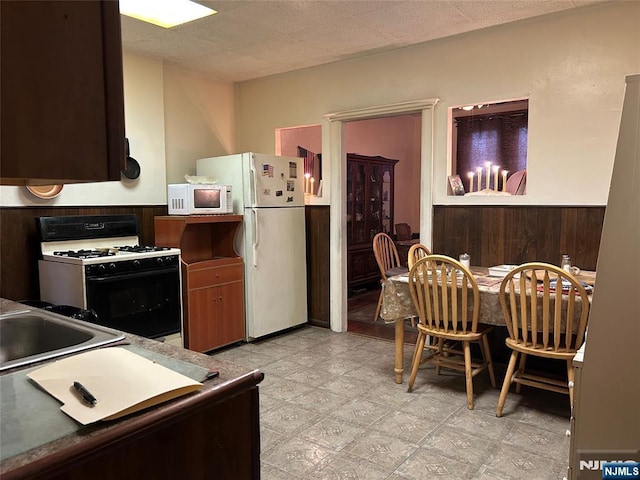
(86, 394)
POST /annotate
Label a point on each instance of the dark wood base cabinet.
(213, 434)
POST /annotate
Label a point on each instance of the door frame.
(333, 142)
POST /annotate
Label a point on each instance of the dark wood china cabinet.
(369, 211)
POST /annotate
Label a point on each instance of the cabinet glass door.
(375, 198)
(387, 201)
(356, 203)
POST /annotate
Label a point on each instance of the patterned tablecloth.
(398, 306)
(397, 303)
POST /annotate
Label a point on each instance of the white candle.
(495, 177)
(306, 182)
(470, 175)
(488, 179)
(311, 185)
(479, 170)
(504, 180)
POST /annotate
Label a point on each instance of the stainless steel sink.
(30, 336)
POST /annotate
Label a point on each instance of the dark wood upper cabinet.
(62, 96)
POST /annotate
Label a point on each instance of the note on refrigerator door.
(267, 170)
(293, 170)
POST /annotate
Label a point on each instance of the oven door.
(144, 303)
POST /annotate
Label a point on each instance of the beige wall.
(172, 118)
(145, 128)
(571, 66)
(199, 121)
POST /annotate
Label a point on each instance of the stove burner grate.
(141, 248)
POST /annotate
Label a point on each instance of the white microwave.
(199, 199)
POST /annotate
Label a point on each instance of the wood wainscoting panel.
(20, 247)
(493, 235)
(317, 231)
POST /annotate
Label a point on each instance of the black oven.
(136, 296)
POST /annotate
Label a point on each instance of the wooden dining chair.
(446, 296)
(403, 232)
(416, 252)
(540, 325)
(386, 254)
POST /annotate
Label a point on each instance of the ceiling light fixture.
(164, 13)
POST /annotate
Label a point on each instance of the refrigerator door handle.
(252, 182)
(256, 238)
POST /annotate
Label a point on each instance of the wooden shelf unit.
(212, 277)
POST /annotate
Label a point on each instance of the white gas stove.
(96, 263)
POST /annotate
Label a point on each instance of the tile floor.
(330, 409)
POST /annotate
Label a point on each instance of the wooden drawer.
(214, 276)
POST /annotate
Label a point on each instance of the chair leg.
(486, 355)
(523, 361)
(440, 347)
(467, 373)
(570, 378)
(417, 357)
(507, 383)
(379, 307)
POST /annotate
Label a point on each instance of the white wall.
(144, 124)
(571, 65)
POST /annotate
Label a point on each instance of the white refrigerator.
(268, 191)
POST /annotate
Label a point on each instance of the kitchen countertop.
(228, 373)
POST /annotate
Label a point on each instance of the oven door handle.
(130, 275)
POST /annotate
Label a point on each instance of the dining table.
(397, 305)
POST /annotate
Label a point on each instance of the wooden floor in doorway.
(361, 309)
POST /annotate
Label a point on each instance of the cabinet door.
(230, 315)
(362, 266)
(202, 333)
(62, 95)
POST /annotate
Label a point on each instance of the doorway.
(396, 138)
(334, 140)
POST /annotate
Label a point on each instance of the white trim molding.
(333, 136)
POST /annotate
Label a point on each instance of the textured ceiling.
(256, 38)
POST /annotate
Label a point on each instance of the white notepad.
(121, 381)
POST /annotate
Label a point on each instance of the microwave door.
(208, 199)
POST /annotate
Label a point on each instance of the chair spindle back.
(534, 312)
(445, 294)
